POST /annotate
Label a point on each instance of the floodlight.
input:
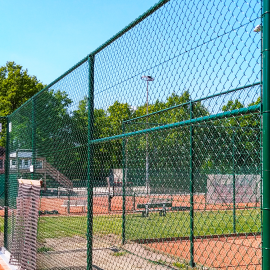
(147, 78)
(257, 29)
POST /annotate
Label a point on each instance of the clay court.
(242, 252)
(101, 203)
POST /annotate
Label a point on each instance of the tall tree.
(16, 87)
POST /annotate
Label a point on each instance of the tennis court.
(151, 152)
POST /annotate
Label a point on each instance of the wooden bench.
(75, 203)
(162, 206)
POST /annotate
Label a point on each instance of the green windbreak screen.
(149, 149)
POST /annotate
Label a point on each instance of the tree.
(106, 123)
(168, 150)
(232, 144)
(16, 87)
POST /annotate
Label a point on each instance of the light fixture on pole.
(258, 28)
(147, 79)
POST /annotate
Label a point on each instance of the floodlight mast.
(147, 182)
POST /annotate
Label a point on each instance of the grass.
(44, 249)
(55, 227)
(1, 224)
(179, 265)
(174, 224)
(175, 264)
(119, 253)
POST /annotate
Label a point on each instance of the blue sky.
(201, 46)
(48, 37)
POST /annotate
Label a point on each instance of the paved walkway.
(3, 265)
(4, 259)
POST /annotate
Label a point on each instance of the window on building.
(39, 164)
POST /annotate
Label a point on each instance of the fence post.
(6, 186)
(90, 163)
(191, 237)
(266, 135)
(233, 155)
(33, 137)
(124, 188)
(68, 202)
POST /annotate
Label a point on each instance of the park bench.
(47, 212)
(75, 203)
(162, 206)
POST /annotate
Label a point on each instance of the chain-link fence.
(3, 176)
(149, 149)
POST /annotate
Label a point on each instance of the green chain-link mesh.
(149, 149)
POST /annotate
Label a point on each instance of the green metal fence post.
(6, 186)
(266, 135)
(134, 201)
(233, 156)
(205, 194)
(33, 138)
(191, 237)
(90, 163)
(68, 202)
(124, 188)
(17, 163)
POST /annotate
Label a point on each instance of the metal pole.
(6, 186)
(109, 201)
(191, 237)
(68, 202)
(205, 194)
(134, 201)
(234, 209)
(90, 163)
(228, 114)
(33, 138)
(147, 160)
(17, 163)
(124, 188)
(266, 135)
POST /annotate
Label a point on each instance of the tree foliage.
(61, 134)
(16, 87)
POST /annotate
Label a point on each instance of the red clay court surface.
(3, 265)
(219, 253)
(101, 205)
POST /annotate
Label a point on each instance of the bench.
(47, 212)
(75, 203)
(161, 205)
(155, 205)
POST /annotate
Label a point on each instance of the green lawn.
(174, 224)
(1, 224)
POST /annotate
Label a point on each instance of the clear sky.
(48, 37)
(200, 46)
